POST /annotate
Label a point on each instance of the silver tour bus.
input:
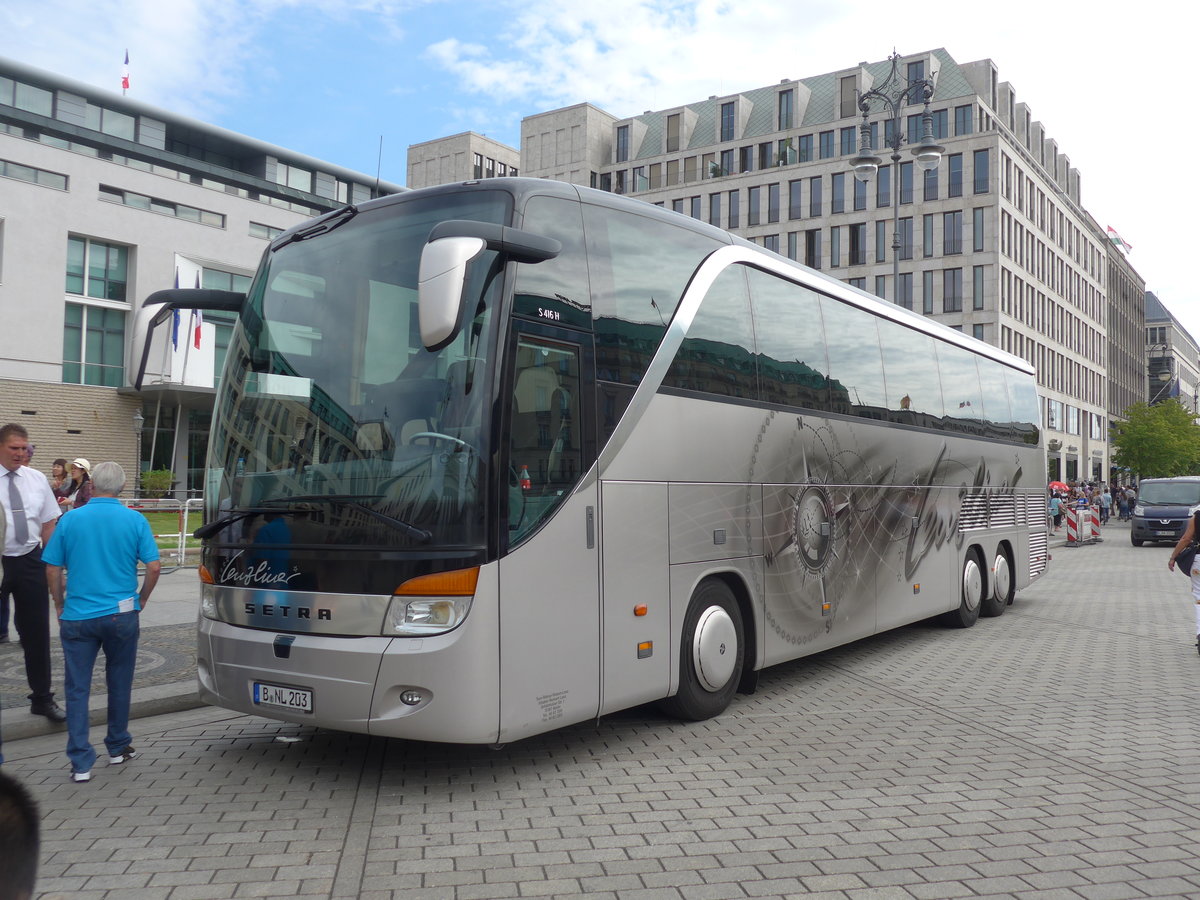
(493, 458)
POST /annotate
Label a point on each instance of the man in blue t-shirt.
(100, 545)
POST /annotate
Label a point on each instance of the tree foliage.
(1158, 441)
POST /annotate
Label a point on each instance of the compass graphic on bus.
(813, 524)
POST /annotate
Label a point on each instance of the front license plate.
(1165, 533)
(284, 697)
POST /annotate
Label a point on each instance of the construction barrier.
(1083, 526)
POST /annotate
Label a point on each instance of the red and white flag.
(197, 323)
(1118, 241)
(125, 74)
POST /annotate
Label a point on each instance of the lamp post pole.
(1163, 371)
(892, 96)
(139, 421)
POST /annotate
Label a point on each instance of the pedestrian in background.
(59, 479)
(1189, 534)
(79, 489)
(30, 512)
(99, 546)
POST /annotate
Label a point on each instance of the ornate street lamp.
(893, 95)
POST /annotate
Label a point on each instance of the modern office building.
(994, 241)
(104, 200)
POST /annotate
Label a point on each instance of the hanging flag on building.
(197, 323)
(175, 317)
(125, 73)
(1118, 241)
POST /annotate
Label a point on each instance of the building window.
(906, 238)
(163, 207)
(977, 332)
(639, 182)
(904, 294)
(835, 247)
(849, 134)
(954, 176)
(826, 144)
(883, 186)
(931, 184)
(766, 155)
(673, 133)
(477, 166)
(294, 177)
(267, 232)
(951, 290)
(786, 153)
(734, 209)
(977, 287)
(793, 245)
(963, 119)
(623, 142)
(881, 287)
(977, 228)
(805, 147)
(837, 184)
(916, 72)
(772, 203)
(97, 270)
(695, 207)
(941, 124)
(714, 209)
(32, 175)
(786, 99)
(677, 205)
(927, 235)
(906, 183)
(952, 232)
(812, 248)
(860, 194)
(847, 95)
(981, 171)
(927, 293)
(771, 242)
(752, 206)
(726, 162)
(795, 204)
(814, 197)
(727, 121)
(619, 181)
(858, 244)
(881, 241)
(746, 155)
(93, 345)
(860, 283)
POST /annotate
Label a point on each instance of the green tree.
(1158, 441)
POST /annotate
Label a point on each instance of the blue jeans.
(82, 640)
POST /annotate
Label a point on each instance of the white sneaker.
(118, 758)
(79, 777)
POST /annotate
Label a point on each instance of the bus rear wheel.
(1003, 587)
(970, 593)
(712, 652)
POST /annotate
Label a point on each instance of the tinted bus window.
(852, 337)
(996, 411)
(717, 356)
(1023, 400)
(638, 268)
(914, 387)
(960, 381)
(555, 290)
(792, 364)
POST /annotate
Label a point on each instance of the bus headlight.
(426, 615)
(431, 604)
(208, 603)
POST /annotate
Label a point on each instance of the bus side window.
(793, 369)
(914, 388)
(717, 356)
(545, 447)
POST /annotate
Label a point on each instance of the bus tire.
(712, 652)
(970, 593)
(1003, 587)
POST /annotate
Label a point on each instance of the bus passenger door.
(549, 592)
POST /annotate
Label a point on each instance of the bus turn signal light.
(205, 575)
(640, 609)
(459, 583)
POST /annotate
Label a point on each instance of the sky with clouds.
(338, 79)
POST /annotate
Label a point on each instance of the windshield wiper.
(322, 226)
(420, 535)
(206, 531)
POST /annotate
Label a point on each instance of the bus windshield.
(338, 438)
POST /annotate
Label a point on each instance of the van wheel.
(1137, 542)
(1003, 587)
(711, 653)
(970, 593)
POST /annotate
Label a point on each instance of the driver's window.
(545, 448)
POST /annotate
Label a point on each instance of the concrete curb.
(178, 696)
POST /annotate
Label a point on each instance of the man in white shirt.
(30, 511)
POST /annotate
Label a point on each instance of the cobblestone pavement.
(1049, 753)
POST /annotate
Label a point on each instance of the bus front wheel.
(712, 651)
(971, 588)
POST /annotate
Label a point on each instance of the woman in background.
(79, 491)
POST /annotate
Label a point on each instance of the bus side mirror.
(451, 246)
(440, 282)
